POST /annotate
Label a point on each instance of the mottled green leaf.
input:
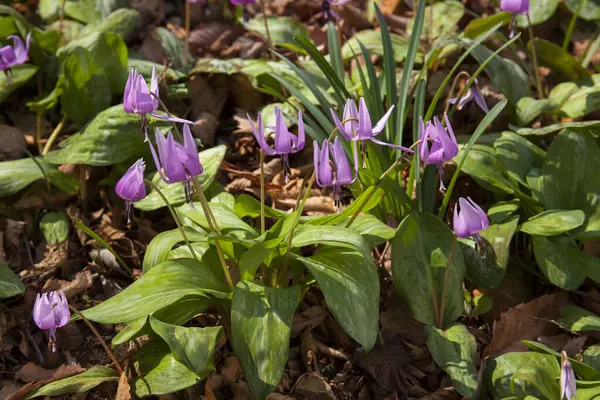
(590, 9)
(558, 60)
(553, 222)
(160, 246)
(20, 75)
(446, 15)
(306, 235)
(371, 39)
(10, 283)
(539, 11)
(55, 227)
(546, 385)
(579, 319)
(78, 383)
(261, 320)
(528, 109)
(518, 155)
(560, 260)
(577, 100)
(281, 29)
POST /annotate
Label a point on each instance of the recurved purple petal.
(301, 133)
(128, 93)
(350, 115)
(365, 129)
(424, 145)
(381, 124)
(259, 134)
(341, 127)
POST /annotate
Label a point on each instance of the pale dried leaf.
(83, 281)
(124, 390)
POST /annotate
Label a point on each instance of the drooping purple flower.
(357, 126)
(51, 311)
(176, 162)
(438, 144)
(131, 186)
(473, 93)
(327, 7)
(243, 3)
(567, 378)
(15, 54)
(285, 142)
(341, 173)
(138, 99)
(515, 6)
(469, 219)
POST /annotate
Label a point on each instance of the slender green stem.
(102, 342)
(215, 228)
(268, 32)
(54, 135)
(262, 192)
(175, 217)
(178, 135)
(538, 81)
(454, 83)
(186, 43)
(571, 28)
(38, 132)
(103, 243)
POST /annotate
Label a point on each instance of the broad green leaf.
(506, 74)
(518, 155)
(175, 192)
(90, 11)
(556, 127)
(577, 100)
(144, 67)
(539, 11)
(560, 260)
(111, 138)
(499, 372)
(590, 9)
(160, 246)
(10, 283)
(55, 227)
(591, 356)
(192, 346)
(371, 39)
(108, 51)
(479, 26)
(281, 29)
(19, 75)
(559, 60)
(553, 222)
(372, 229)
(481, 305)
(374, 195)
(486, 266)
(486, 169)
(86, 89)
(159, 372)
(446, 15)
(546, 385)
(579, 319)
(528, 109)
(16, 175)
(568, 178)
(51, 100)
(423, 248)
(122, 22)
(455, 350)
(78, 383)
(162, 285)
(503, 210)
(248, 206)
(306, 235)
(261, 320)
(172, 45)
(350, 286)
(177, 313)
(585, 371)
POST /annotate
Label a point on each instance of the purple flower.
(473, 93)
(469, 219)
(438, 144)
(327, 7)
(176, 162)
(285, 142)
(131, 186)
(243, 3)
(515, 6)
(15, 54)
(138, 99)
(567, 378)
(341, 174)
(360, 127)
(51, 311)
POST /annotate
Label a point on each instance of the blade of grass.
(485, 122)
(335, 51)
(389, 69)
(591, 50)
(440, 90)
(97, 238)
(415, 169)
(337, 85)
(411, 55)
(374, 88)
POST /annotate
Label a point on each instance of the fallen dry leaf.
(396, 320)
(232, 371)
(124, 390)
(526, 321)
(311, 318)
(312, 386)
(384, 364)
(82, 282)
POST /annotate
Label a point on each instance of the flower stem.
(262, 192)
(186, 50)
(178, 135)
(102, 342)
(38, 132)
(538, 81)
(54, 135)
(269, 41)
(212, 223)
(571, 28)
(175, 217)
(454, 83)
